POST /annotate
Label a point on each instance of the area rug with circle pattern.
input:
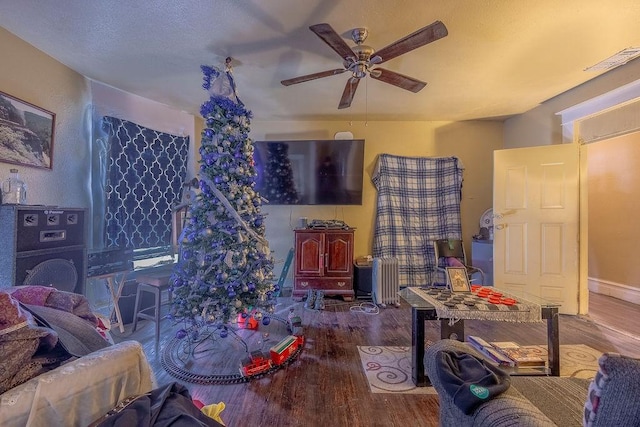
(388, 369)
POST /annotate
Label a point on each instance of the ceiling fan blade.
(348, 93)
(397, 79)
(335, 42)
(313, 76)
(423, 36)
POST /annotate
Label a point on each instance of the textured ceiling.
(501, 57)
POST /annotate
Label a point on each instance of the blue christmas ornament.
(181, 334)
(266, 320)
(224, 333)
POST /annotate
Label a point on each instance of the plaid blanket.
(418, 202)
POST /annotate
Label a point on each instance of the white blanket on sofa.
(79, 392)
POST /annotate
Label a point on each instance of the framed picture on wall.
(458, 280)
(26, 133)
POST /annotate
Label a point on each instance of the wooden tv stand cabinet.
(324, 261)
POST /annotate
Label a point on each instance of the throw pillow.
(612, 395)
(595, 391)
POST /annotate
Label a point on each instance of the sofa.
(57, 368)
(81, 391)
(607, 400)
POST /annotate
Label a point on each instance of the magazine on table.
(521, 356)
(506, 353)
(491, 353)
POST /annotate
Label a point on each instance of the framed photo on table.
(458, 280)
(27, 133)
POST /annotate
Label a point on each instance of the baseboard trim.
(616, 290)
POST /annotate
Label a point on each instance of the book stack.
(520, 355)
(489, 351)
(507, 353)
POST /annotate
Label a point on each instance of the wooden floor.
(325, 386)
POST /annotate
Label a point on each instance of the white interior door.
(536, 225)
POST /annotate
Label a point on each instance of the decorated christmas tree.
(279, 175)
(225, 267)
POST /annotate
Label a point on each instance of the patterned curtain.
(145, 173)
(418, 202)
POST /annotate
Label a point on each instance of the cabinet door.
(309, 253)
(339, 253)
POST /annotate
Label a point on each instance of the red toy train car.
(260, 362)
(257, 363)
(285, 348)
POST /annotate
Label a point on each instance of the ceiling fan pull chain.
(366, 102)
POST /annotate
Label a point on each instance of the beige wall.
(541, 125)
(30, 75)
(613, 194)
(472, 142)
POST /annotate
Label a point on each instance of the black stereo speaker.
(64, 269)
(43, 245)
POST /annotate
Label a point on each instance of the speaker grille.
(59, 273)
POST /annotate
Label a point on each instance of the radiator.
(385, 281)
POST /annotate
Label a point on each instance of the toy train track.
(183, 374)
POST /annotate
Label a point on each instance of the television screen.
(311, 172)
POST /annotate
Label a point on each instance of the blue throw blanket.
(418, 202)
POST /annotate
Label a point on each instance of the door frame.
(583, 227)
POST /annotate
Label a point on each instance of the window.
(145, 170)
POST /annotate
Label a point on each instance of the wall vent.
(620, 58)
(620, 120)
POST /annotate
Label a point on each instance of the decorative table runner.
(469, 306)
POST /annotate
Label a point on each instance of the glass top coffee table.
(428, 307)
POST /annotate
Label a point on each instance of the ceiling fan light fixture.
(360, 70)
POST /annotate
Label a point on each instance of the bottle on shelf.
(14, 190)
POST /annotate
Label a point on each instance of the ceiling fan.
(361, 59)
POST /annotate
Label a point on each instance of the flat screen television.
(310, 172)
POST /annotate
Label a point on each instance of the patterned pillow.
(596, 388)
(613, 394)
